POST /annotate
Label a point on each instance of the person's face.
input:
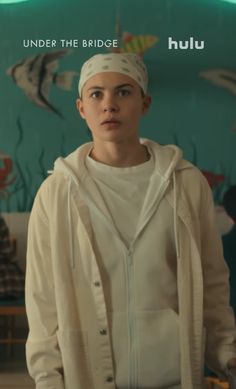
(112, 105)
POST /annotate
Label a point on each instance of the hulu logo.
(190, 44)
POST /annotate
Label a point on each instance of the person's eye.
(96, 94)
(124, 92)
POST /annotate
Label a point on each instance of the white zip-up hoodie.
(74, 331)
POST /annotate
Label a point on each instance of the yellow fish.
(138, 44)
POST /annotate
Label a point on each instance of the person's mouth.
(110, 121)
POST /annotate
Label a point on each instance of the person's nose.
(110, 104)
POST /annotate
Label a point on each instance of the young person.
(126, 283)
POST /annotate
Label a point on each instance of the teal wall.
(186, 109)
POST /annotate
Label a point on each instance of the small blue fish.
(36, 74)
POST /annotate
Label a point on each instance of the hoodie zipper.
(131, 319)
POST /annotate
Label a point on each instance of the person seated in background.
(12, 278)
(229, 242)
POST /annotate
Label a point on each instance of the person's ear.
(146, 103)
(80, 107)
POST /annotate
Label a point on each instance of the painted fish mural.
(6, 166)
(138, 44)
(35, 76)
(221, 77)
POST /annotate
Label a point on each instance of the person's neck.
(120, 155)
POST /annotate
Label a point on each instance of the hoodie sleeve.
(218, 316)
(42, 352)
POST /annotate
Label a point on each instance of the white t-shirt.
(123, 191)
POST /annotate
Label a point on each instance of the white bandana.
(129, 64)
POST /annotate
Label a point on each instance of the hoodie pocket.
(74, 350)
(158, 349)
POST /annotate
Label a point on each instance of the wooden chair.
(9, 309)
(214, 383)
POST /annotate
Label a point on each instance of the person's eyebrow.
(116, 87)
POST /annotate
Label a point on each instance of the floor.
(13, 371)
(16, 381)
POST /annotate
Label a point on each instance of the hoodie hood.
(167, 159)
